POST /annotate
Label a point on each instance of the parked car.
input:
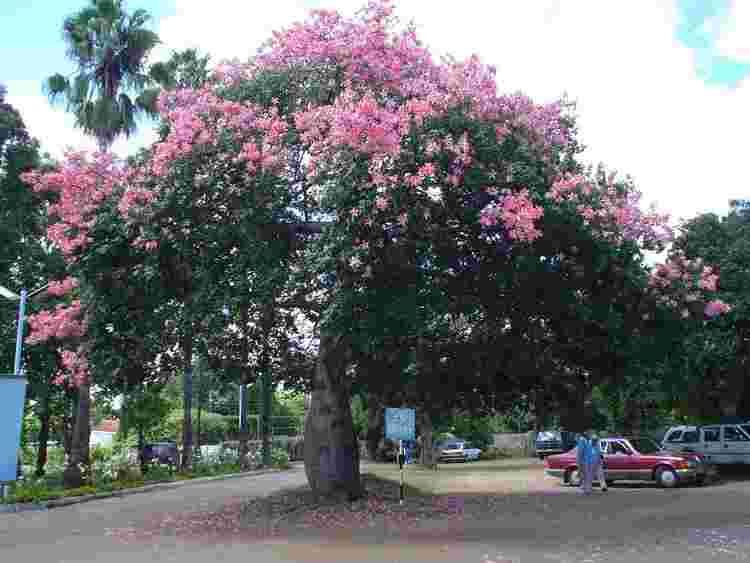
(161, 452)
(550, 442)
(633, 459)
(458, 450)
(718, 443)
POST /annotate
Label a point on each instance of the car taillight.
(682, 464)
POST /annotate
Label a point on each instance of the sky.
(662, 86)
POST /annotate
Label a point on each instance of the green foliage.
(359, 416)
(477, 430)
(215, 428)
(279, 458)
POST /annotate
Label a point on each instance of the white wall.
(99, 438)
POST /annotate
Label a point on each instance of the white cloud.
(226, 29)
(643, 110)
(734, 40)
(55, 128)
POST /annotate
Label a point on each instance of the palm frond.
(146, 101)
(127, 113)
(56, 87)
(161, 74)
(80, 90)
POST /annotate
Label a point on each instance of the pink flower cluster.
(370, 52)
(74, 368)
(61, 323)
(716, 307)
(681, 282)
(679, 269)
(82, 184)
(518, 215)
(63, 287)
(614, 211)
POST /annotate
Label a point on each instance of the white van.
(719, 443)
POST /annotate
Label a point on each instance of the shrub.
(280, 458)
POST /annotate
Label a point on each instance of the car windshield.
(645, 445)
(548, 436)
(452, 446)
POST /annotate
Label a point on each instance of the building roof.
(108, 425)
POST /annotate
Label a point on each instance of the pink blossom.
(517, 213)
(61, 323)
(63, 287)
(716, 307)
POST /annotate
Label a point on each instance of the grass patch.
(51, 487)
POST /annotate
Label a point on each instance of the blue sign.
(12, 396)
(400, 424)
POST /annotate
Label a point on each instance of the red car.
(633, 459)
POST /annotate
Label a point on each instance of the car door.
(690, 441)
(618, 460)
(735, 444)
(711, 437)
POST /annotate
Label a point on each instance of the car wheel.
(700, 480)
(573, 477)
(666, 478)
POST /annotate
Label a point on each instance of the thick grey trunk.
(426, 435)
(77, 472)
(331, 448)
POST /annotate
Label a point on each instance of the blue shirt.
(586, 452)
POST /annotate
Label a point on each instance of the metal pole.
(401, 457)
(19, 333)
(243, 408)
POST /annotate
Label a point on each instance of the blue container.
(12, 397)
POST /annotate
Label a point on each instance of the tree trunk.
(426, 434)
(43, 438)
(540, 410)
(245, 380)
(374, 425)
(267, 389)
(187, 403)
(331, 449)
(631, 416)
(76, 473)
(743, 368)
(142, 450)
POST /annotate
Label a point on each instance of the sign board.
(400, 424)
(12, 397)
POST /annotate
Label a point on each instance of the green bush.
(279, 458)
(158, 472)
(214, 427)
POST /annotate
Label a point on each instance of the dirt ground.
(531, 517)
(487, 512)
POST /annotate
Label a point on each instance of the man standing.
(585, 458)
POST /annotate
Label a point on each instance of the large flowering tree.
(419, 190)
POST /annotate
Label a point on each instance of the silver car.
(458, 450)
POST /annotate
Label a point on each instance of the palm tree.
(110, 49)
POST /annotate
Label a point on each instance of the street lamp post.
(12, 397)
